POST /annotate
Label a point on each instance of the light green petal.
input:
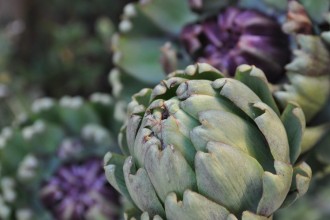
(169, 171)
(193, 207)
(229, 177)
(273, 129)
(169, 15)
(228, 128)
(186, 122)
(171, 135)
(301, 178)
(238, 93)
(312, 137)
(303, 91)
(143, 141)
(294, 122)
(251, 216)
(256, 80)
(131, 131)
(141, 189)
(275, 188)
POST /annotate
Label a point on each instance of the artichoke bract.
(308, 73)
(201, 146)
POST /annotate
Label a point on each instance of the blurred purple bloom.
(77, 188)
(235, 37)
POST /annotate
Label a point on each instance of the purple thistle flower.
(236, 36)
(76, 189)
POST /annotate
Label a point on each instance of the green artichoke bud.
(309, 76)
(51, 164)
(309, 71)
(201, 146)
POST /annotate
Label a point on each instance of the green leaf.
(12, 153)
(75, 118)
(169, 15)
(278, 4)
(316, 8)
(210, 6)
(140, 57)
(124, 85)
(263, 5)
(47, 141)
(113, 164)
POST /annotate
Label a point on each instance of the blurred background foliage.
(53, 48)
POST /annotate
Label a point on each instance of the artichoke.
(309, 70)
(51, 163)
(201, 146)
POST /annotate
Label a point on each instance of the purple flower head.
(236, 36)
(76, 190)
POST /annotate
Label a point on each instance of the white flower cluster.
(4, 209)
(42, 104)
(71, 102)
(95, 132)
(29, 131)
(24, 214)
(69, 147)
(102, 98)
(120, 111)
(27, 168)
(129, 11)
(5, 134)
(8, 196)
(8, 184)
(116, 54)
(114, 79)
